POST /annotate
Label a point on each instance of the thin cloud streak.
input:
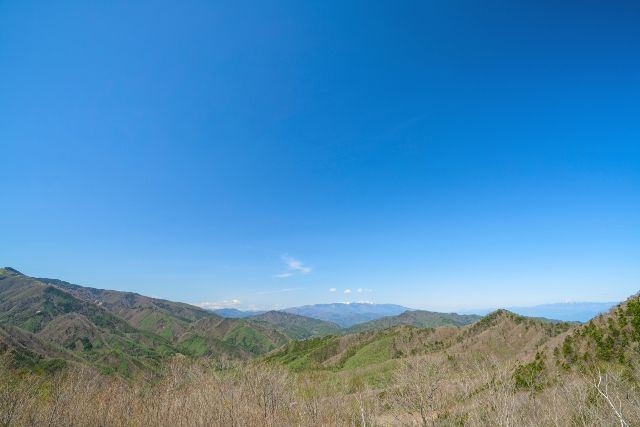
(283, 275)
(293, 267)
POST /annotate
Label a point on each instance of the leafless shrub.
(430, 390)
(419, 394)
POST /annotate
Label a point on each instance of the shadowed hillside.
(122, 330)
(295, 326)
(68, 325)
(165, 318)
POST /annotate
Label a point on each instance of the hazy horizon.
(434, 155)
(481, 310)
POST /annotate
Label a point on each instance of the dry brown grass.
(427, 390)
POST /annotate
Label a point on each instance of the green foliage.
(633, 313)
(26, 360)
(295, 326)
(419, 318)
(305, 354)
(249, 339)
(530, 376)
(373, 352)
(568, 349)
(611, 338)
(194, 346)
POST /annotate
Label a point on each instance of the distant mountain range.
(349, 318)
(341, 314)
(296, 326)
(347, 315)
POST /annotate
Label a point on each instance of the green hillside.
(610, 338)
(295, 326)
(166, 318)
(73, 329)
(502, 334)
(419, 318)
(359, 349)
(120, 331)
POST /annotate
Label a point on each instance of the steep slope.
(31, 304)
(346, 315)
(508, 336)
(41, 313)
(26, 350)
(612, 338)
(239, 337)
(194, 331)
(166, 318)
(295, 326)
(608, 344)
(362, 349)
(115, 330)
(419, 318)
(502, 335)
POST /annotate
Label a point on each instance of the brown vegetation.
(503, 370)
(426, 390)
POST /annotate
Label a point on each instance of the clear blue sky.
(436, 154)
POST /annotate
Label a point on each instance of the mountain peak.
(502, 313)
(9, 271)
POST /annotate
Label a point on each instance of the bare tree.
(417, 396)
(603, 390)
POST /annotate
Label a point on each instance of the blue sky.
(442, 155)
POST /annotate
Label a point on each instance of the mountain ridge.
(118, 330)
(419, 318)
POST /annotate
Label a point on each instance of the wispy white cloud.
(283, 275)
(296, 265)
(361, 290)
(332, 289)
(214, 305)
(293, 267)
(347, 291)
